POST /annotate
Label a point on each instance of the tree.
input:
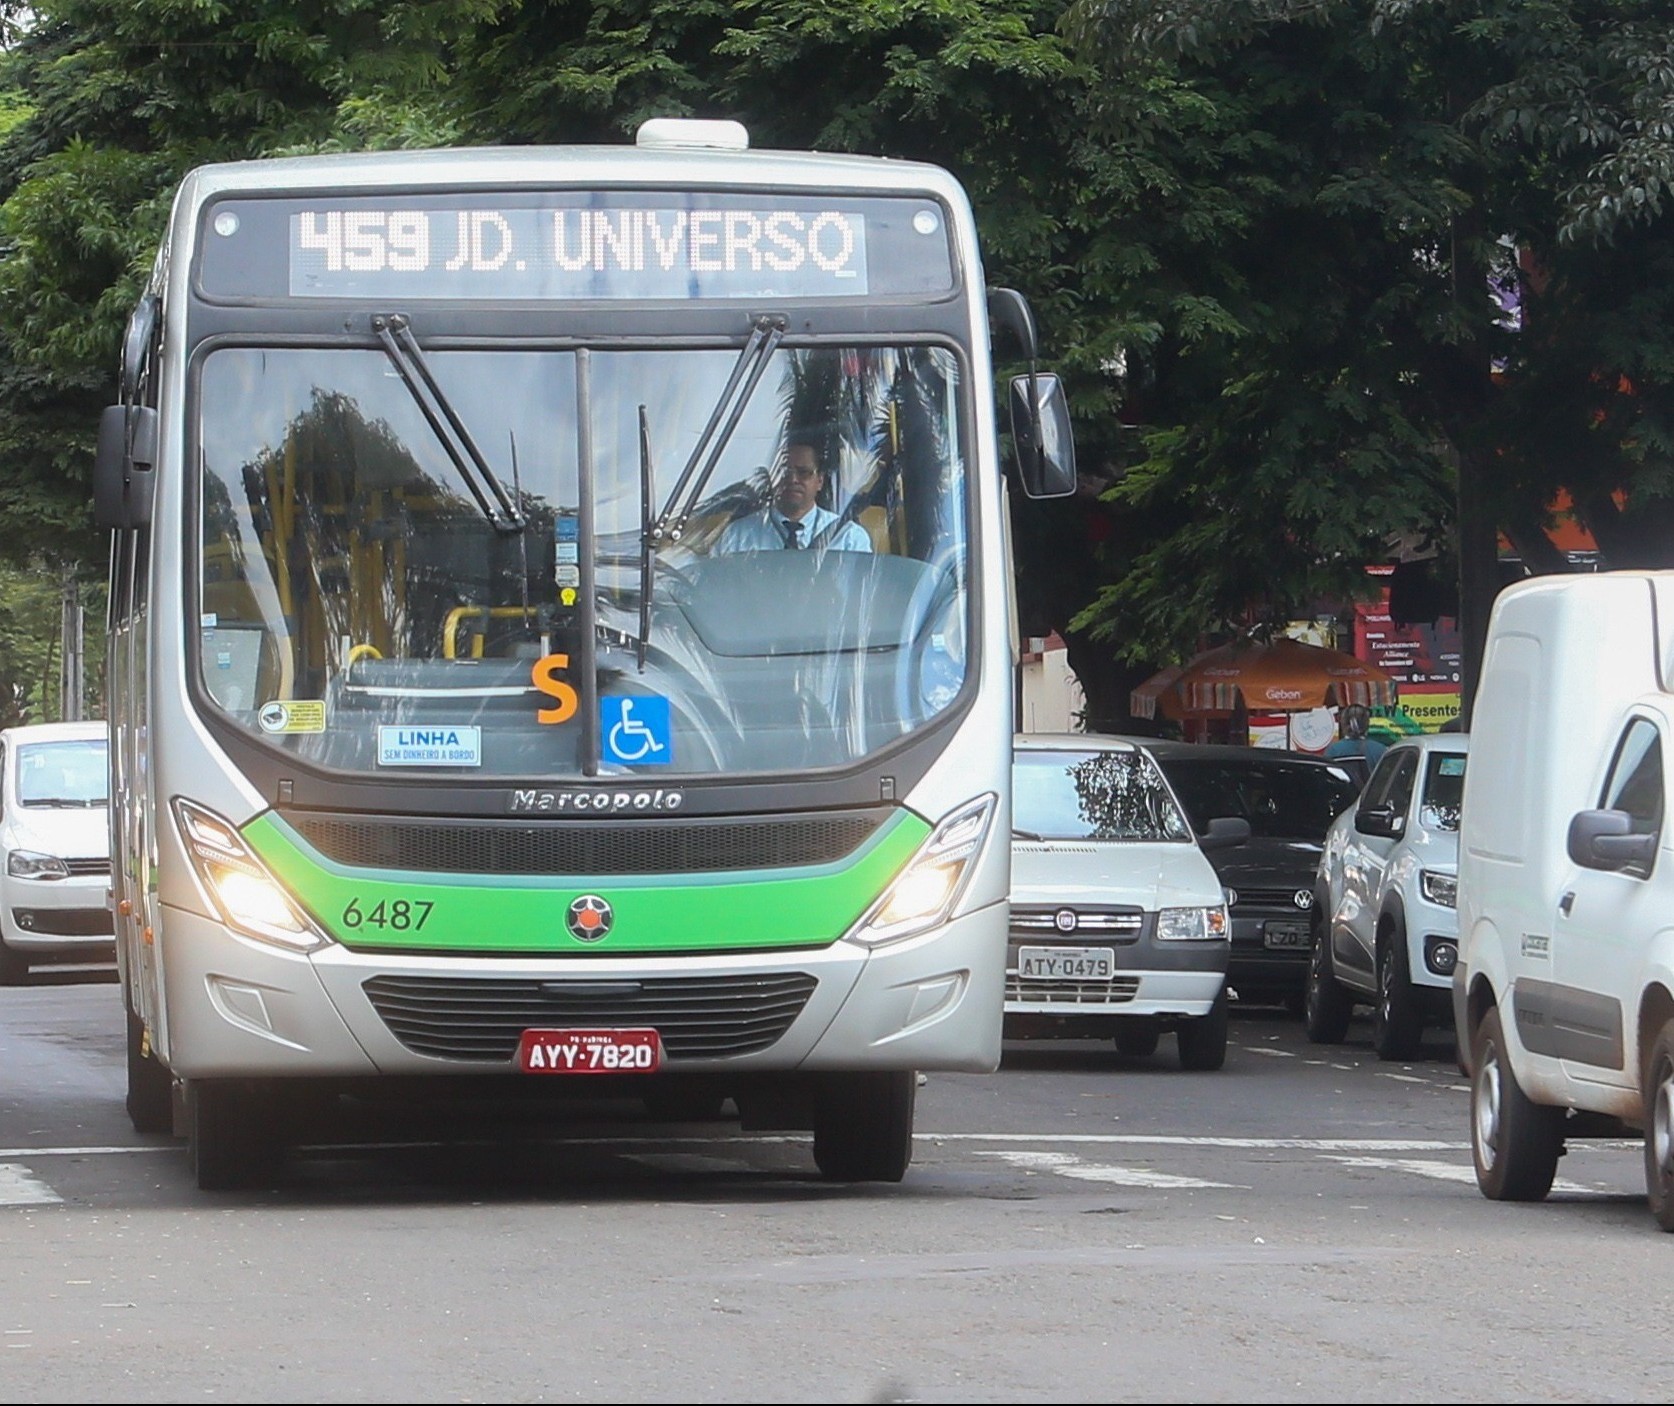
(1338, 183)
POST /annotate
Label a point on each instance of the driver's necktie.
(793, 533)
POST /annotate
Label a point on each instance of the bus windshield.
(374, 600)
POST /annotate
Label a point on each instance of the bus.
(473, 732)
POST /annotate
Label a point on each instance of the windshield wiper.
(647, 554)
(1018, 833)
(765, 335)
(396, 333)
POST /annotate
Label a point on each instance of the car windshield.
(371, 601)
(1075, 795)
(1444, 790)
(62, 775)
(1282, 800)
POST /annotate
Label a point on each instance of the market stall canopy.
(1275, 676)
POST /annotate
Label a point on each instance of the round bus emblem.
(589, 918)
(1303, 898)
(1064, 920)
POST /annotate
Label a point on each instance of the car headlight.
(250, 900)
(923, 893)
(1441, 889)
(1191, 925)
(31, 864)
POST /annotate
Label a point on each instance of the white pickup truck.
(1564, 992)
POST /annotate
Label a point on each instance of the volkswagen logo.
(1231, 897)
(1303, 898)
(589, 918)
(1064, 920)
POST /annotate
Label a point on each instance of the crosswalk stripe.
(1447, 1171)
(1064, 1165)
(19, 1188)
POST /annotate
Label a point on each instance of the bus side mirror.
(1040, 429)
(122, 473)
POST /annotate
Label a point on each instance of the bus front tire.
(863, 1125)
(232, 1134)
(150, 1100)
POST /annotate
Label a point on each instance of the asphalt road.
(1299, 1226)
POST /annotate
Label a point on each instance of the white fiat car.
(1118, 923)
(55, 837)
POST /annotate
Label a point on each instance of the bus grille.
(482, 1018)
(587, 847)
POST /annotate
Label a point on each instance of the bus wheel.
(232, 1136)
(863, 1125)
(150, 1085)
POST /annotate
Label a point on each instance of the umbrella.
(1277, 676)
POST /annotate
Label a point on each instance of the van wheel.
(1203, 1040)
(232, 1132)
(1138, 1039)
(150, 1100)
(1397, 1027)
(14, 966)
(1326, 1007)
(1515, 1142)
(1659, 1128)
(863, 1125)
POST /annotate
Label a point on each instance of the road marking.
(1064, 1165)
(1403, 1078)
(1306, 1144)
(19, 1188)
(1263, 1050)
(1447, 1171)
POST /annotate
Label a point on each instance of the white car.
(1119, 925)
(1386, 929)
(55, 836)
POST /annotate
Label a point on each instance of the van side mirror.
(1604, 839)
(122, 478)
(1383, 821)
(1041, 432)
(1225, 832)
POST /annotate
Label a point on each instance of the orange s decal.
(546, 677)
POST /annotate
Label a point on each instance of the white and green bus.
(472, 718)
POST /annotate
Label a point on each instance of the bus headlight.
(248, 898)
(925, 892)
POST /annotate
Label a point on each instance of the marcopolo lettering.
(595, 802)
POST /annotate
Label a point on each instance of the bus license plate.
(1066, 963)
(1287, 935)
(590, 1052)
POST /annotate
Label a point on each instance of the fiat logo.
(1064, 920)
(589, 918)
(1303, 898)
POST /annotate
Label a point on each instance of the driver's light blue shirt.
(765, 532)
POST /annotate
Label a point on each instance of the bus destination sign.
(577, 254)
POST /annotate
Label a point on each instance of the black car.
(1289, 800)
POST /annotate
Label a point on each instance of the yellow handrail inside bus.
(450, 627)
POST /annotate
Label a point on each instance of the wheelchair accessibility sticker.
(635, 730)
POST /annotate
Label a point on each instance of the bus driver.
(794, 518)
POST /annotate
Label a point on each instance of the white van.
(1564, 992)
(55, 839)
(1119, 926)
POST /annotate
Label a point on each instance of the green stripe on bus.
(372, 909)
